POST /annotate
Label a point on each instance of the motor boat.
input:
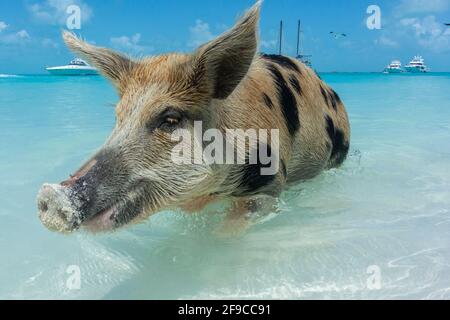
(417, 65)
(76, 67)
(394, 67)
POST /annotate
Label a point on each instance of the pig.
(224, 84)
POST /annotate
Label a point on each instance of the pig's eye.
(170, 120)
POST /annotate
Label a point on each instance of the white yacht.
(394, 67)
(417, 65)
(76, 67)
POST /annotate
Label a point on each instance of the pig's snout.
(55, 209)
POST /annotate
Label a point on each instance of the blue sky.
(30, 30)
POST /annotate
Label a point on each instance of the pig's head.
(132, 175)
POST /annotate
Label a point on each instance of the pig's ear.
(112, 65)
(226, 60)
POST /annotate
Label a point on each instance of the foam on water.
(388, 207)
(8, 76)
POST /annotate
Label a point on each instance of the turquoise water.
(387, 209)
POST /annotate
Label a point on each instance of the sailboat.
(305, 58)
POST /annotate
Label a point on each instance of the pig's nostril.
(62, 215)
(43, 206)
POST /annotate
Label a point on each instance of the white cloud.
(268, 44)
(54, 11)
(23, 34)
(428, 32)
(200, 34)
(131, 44)
(19, 37)
(408, 7)
(3, 26)
(49, 43)
(386, 41)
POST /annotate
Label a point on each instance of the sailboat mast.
(298, 38)
(281, 36)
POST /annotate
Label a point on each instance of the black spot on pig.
(287, 101)
(282, 61)
(295, 84)
(251, 181)
(339, 145)
(268, 101)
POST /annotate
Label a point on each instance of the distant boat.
(394, 67)
(417, 65)
(76, 67)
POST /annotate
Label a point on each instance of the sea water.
(379, 227)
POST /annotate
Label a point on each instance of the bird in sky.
(447, 24)
(338, 35)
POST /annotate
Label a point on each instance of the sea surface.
(378, 228)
